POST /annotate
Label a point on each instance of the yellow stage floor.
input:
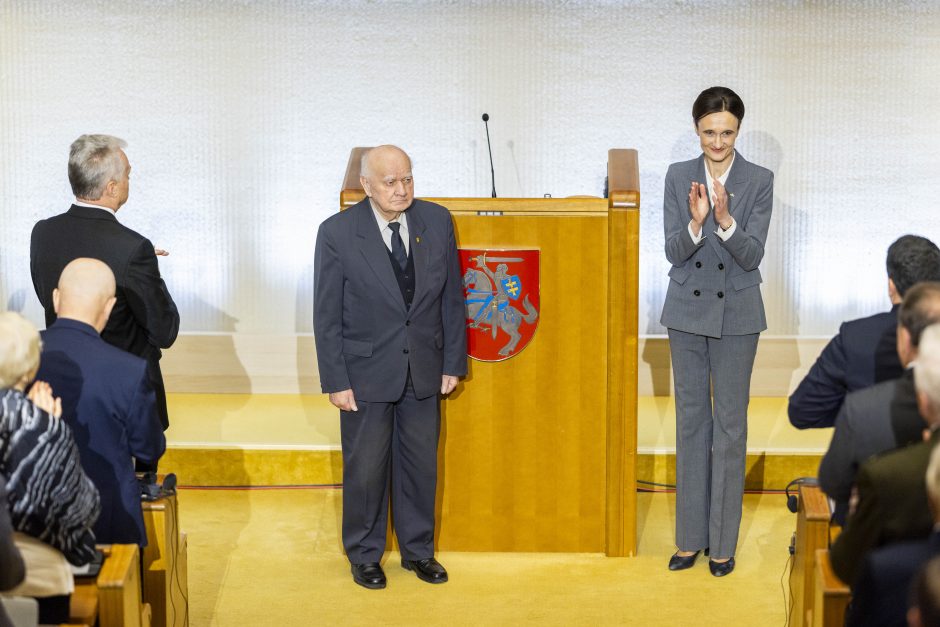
(273, 558)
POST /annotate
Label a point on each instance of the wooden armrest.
(83, 605)
(832, 594)
(815, 503)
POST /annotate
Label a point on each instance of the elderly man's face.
(389, 182)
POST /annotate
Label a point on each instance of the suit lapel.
(419, 251)
(373, 249)
(736, 186)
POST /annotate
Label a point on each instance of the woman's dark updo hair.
(715, 100)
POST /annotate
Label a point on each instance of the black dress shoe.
(429, 570)
(369, 575)
(720, 569)
(679, 562)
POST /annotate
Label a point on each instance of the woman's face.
(716, 133)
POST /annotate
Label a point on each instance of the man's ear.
(106, 311)
(55, 300)
(893, 295)
(366, 186)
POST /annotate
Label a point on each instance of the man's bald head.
(85, 292)
(385, 174)
(381, 156)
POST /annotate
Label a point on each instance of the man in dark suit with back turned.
(864, 352)
(891, 490)
(884, 416)
(389, 323)
(107, 399)
(144, 318)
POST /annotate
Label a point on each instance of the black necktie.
(398, 246)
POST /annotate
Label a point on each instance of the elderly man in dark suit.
(880, 594)
(863, 353)
(107, 399)
(144, 319)
(884, 416)
(389, 322)
(891, 489)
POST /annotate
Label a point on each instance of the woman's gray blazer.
(714, 287)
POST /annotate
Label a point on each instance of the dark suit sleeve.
(144, 430)
(676, 218)
(837, 469)
(43, 292)
(862, 532)
(817, 399)
(328, 283)
(746, 245)
(454, 313)
(149, 298)
(12, 569)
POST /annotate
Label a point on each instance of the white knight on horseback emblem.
(500, 287)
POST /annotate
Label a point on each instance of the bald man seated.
(107, 399)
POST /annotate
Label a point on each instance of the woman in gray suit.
(716, 211)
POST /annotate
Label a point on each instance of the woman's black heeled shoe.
(720, 569)
(679, 562)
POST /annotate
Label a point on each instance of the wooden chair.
(113, 599)
(812, 534)
(164, 557)
(832, 595)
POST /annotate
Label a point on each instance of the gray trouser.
(712, 380)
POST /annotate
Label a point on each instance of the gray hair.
(19, 349)
(927, 366)
(95, 161)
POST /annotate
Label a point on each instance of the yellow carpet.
(274, 558)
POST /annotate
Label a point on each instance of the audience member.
(144, 318)
(891, 488)
(925, 595)
(53, 505)
(863, 353)
(107, 399)
(880, 595)
(884, 416)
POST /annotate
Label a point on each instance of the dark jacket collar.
(90, 213)
(75, 325)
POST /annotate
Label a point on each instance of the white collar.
(79, 203)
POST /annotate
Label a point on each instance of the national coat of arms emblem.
(501, 288)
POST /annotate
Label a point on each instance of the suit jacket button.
(697, 293)
(721, 294)
(698, 264)
(721, 266)
(407, 323)
(405, 351)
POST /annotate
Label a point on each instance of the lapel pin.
(732, 194)
(417, 240)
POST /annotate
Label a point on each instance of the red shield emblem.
(501, 288)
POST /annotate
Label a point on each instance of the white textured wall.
(240, 116)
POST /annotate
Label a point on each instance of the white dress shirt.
(710, 182)
(387, 232)
(85, 204)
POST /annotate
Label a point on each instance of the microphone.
(486, 119)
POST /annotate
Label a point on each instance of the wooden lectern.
(538, 452)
